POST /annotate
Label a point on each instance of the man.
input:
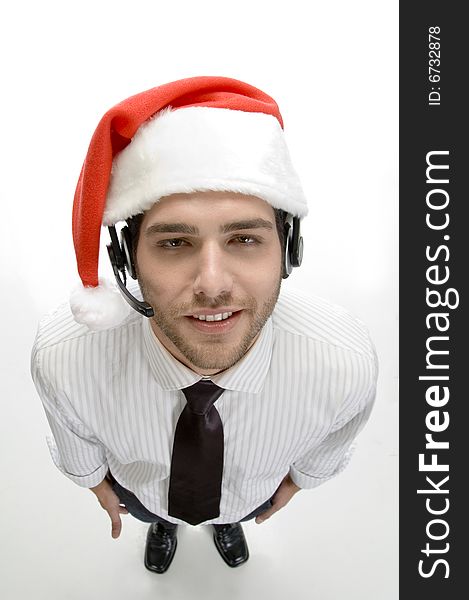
(217, 398)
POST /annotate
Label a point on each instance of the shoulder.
(312, 318)
(60, 339)
(59, 327)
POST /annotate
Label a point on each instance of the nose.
(213, 274)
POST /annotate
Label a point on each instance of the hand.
(285, 492)
(110, 501)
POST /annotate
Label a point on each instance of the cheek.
(268, 285)
(156, 278)
(164, 287)
(263, 280)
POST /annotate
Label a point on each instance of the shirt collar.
(247, 375)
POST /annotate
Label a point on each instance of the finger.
(116, 525)
(123, 510)
(265, 515)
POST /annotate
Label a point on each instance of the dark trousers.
(137, 510)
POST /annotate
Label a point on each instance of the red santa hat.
(196, 134)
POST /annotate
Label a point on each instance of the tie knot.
(202, 395)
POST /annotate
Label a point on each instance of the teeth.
(218, 317)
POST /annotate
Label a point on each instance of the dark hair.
(134, 224)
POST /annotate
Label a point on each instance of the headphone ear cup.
(293, 245)
(296, 244)
(115, 251)
(127, 253)
(287, 265)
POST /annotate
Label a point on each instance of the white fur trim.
(99, 308)
(203, 148)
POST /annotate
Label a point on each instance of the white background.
(332, 68)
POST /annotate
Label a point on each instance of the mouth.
(221, 316)
(214, 322)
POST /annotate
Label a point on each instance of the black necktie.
(197, 460)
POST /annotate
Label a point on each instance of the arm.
(326, 460)
(76, 452)
(333, 454)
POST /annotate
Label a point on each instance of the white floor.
(338, 541)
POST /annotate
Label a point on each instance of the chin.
(213, 363)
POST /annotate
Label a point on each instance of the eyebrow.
(192, 230)
(171, 228)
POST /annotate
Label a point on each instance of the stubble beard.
(213, 354)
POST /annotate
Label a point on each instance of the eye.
(172, 243)
(246, 240)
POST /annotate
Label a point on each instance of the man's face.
(208, 254)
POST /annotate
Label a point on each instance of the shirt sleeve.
(332, 455)
(75, 451)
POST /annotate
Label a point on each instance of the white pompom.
(99, 308)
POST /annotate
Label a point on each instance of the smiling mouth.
(217, 317)
(218, 322)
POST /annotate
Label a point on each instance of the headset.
(121, 257)
(122, 261)
(293, 244)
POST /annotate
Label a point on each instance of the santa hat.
(196, 134)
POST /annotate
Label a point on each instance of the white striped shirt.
(293, 404)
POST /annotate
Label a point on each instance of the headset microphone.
(121, 259)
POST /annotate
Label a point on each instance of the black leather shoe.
(231, 544)
(160, 548)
